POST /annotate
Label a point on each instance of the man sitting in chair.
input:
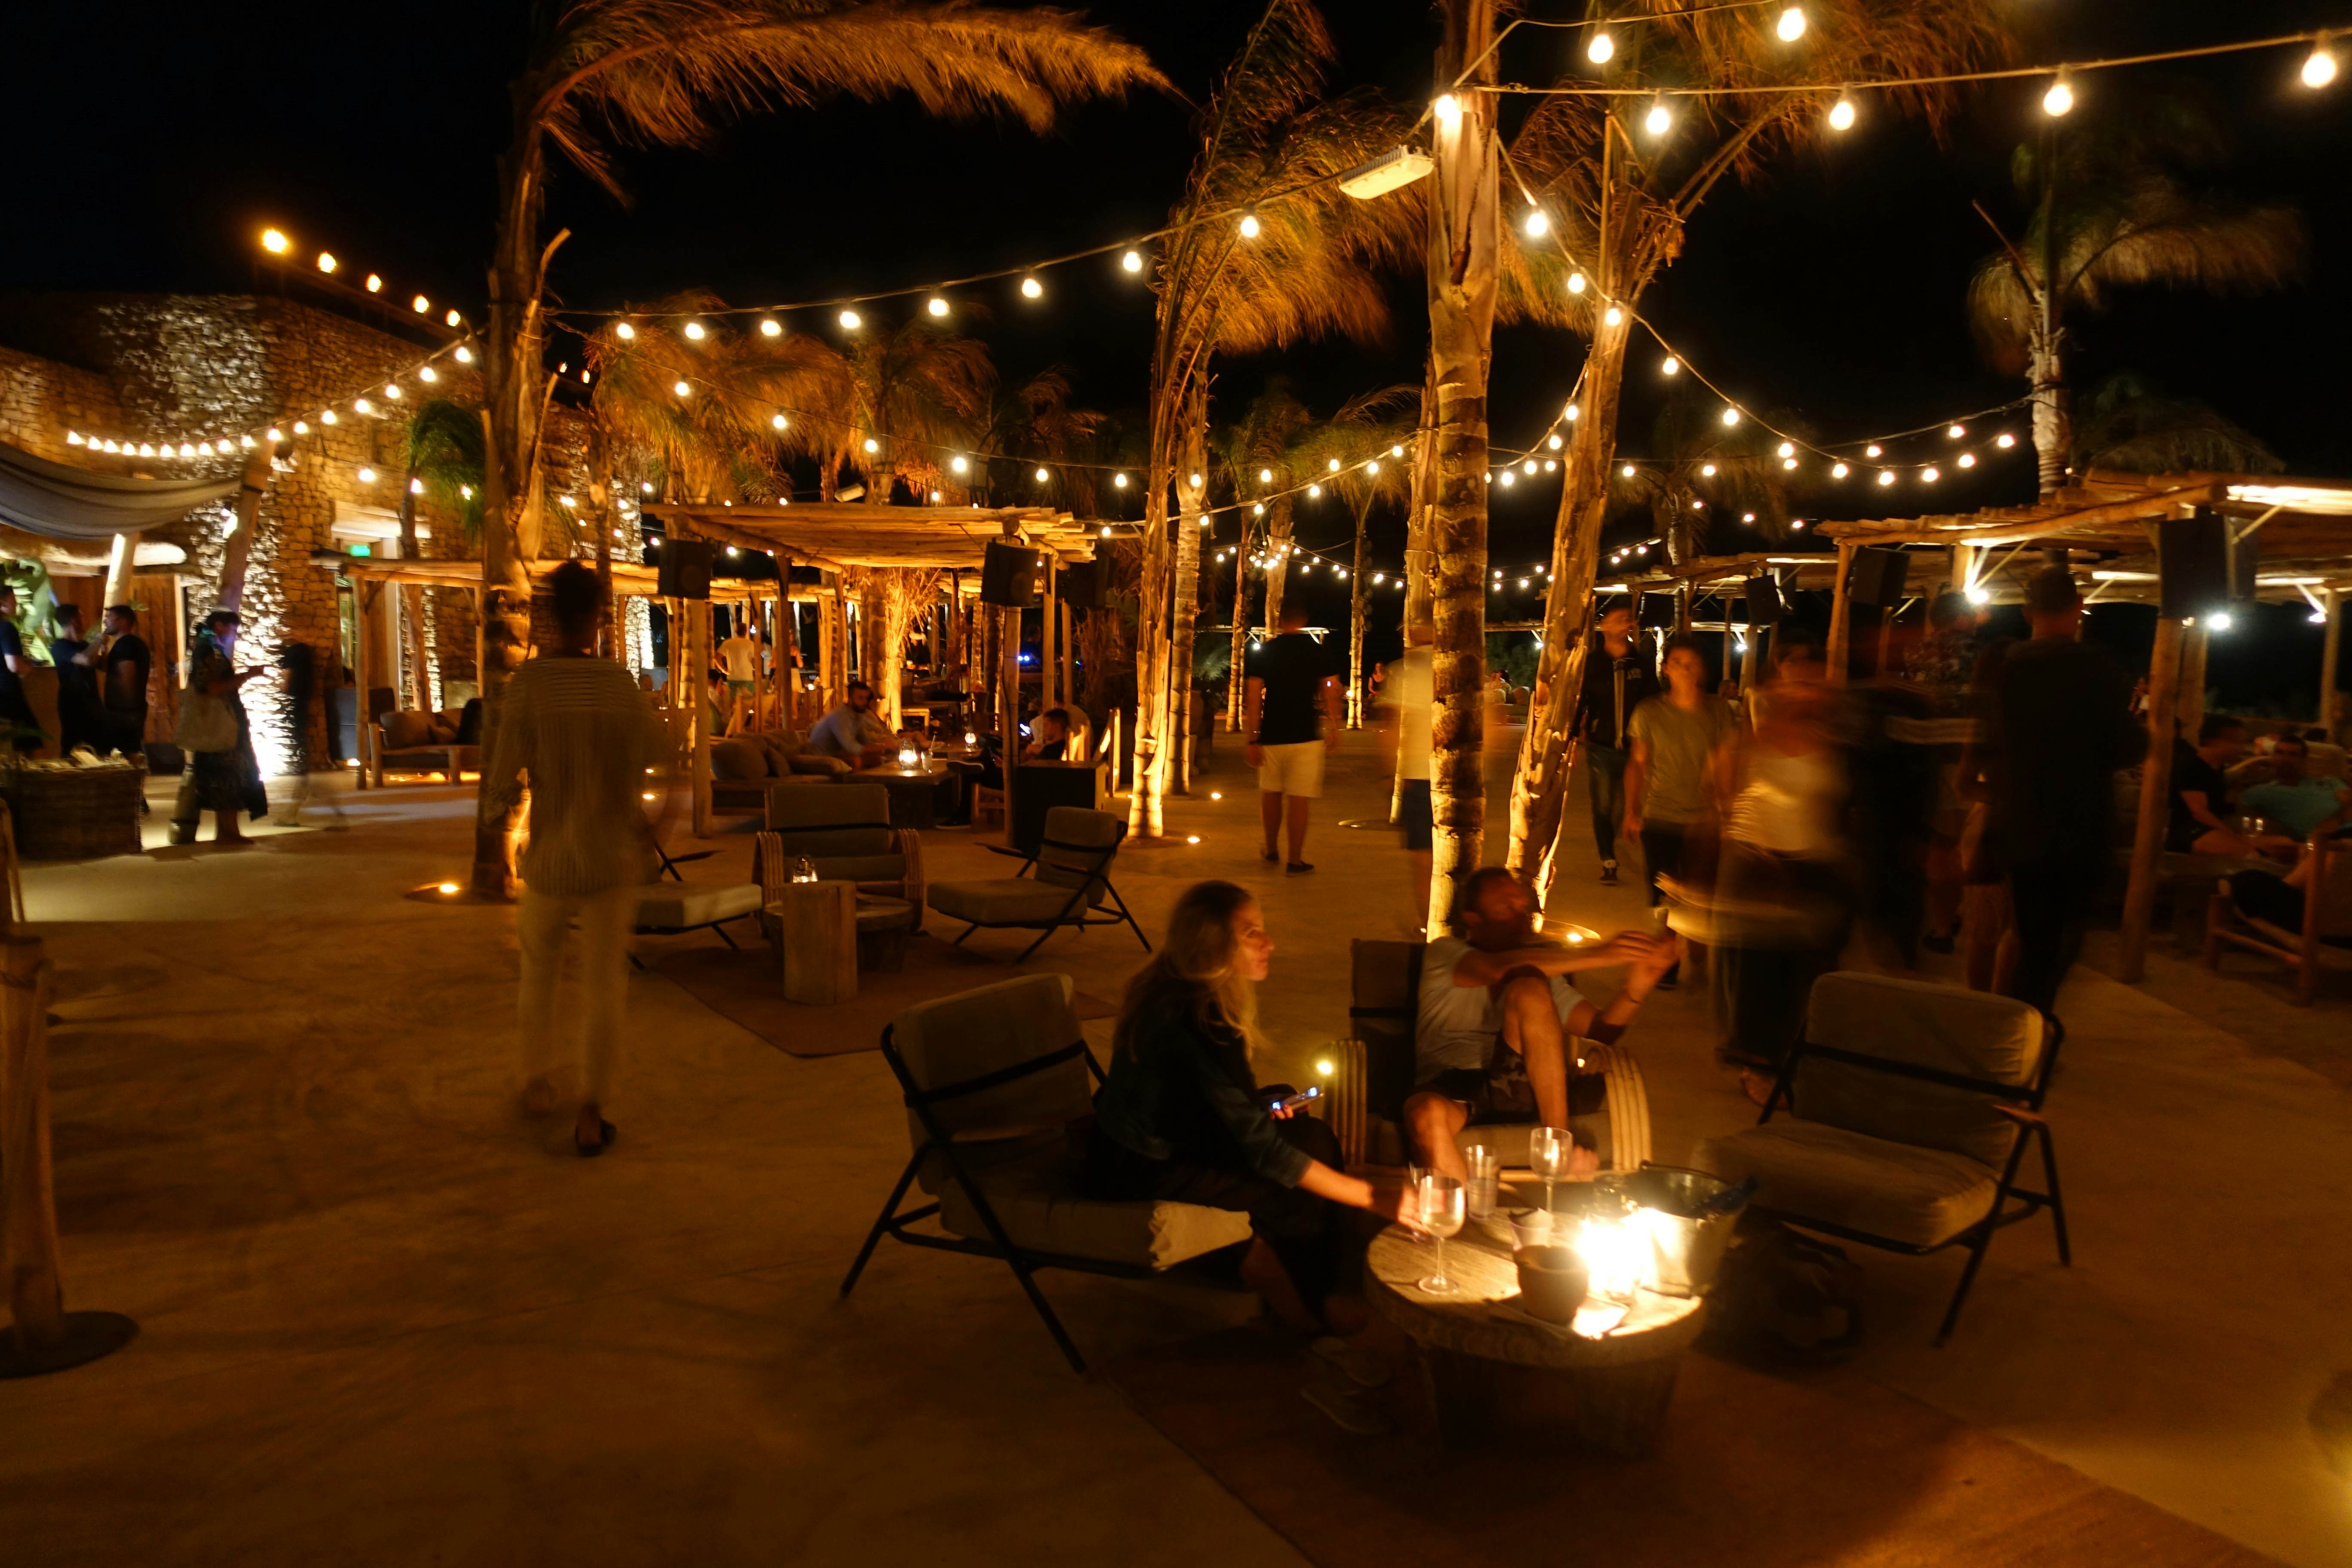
(854, 731)
(1497, 1016)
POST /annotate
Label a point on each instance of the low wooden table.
(914, 793)
(816, 924)
(1474, 1342)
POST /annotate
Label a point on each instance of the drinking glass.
(1485, 1169)
(1441, 1201)
(1547, 1154)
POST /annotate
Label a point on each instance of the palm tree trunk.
(602, 519)
(1184, 599)
(1355, 624)
(2053, 424)
(512, 373)
(1539, 787)
(1462, 236)
(1420, 568)
(1277, 554)
(1236, 670)
(412, 606)
(1151, 661)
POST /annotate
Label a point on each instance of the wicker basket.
(74, 814)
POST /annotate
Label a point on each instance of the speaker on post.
(686, 568)
(1878, 577)
(1657, 611)
(1081, 585)
(2192, 555)
(1764, 601)
(1008, 575)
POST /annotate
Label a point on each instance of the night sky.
(152, 145)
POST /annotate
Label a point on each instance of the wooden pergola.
(2104, 529)
(852, 538)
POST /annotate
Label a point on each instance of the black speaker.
(1081, 584)
(686, 568)
(1008, 575)
(2193, 563)
(1763, 601)
(1878, 576)
(1657, 610)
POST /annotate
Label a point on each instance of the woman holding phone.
(1183, 1119)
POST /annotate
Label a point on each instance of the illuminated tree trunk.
(1185, 598)
(1152, 660)
(412, 603)
(2054, 425)
(1277, 554)
(1462, 255)
(1356, 625)
(1236, 671)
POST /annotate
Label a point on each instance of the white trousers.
(604, 919)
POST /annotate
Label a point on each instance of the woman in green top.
(1678, 739)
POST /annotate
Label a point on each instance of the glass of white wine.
(1549, 1151)
(1441, 1212)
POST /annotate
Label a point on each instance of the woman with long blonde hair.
(1183, 1119)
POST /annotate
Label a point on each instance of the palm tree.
(1035, 422)
(1618, 195)
(1250, 459)
(2128, 423)
(2111, 209)
(669, 73)
(1362, 440)
(919, 392)
(444, 467)
(1704, 470)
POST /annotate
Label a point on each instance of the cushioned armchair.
(1072, 866)
(846, 833)
(409, 741)
(743, 768)
(1913, 1105)
(2325, 874)
(992, 1081)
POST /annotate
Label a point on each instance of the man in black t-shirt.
(2201, 792)
(1292, 702)
(128, 664)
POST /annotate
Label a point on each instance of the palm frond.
(2127, 422)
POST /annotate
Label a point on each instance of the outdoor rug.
(746, 987)
(1819, 1470)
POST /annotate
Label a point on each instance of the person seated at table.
(1497, 1014)
(2201, 793)
(2298, 802)
(1181, 1117)
(854, 731)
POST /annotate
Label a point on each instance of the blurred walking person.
(127, 664)
(1292, 701)
(1617, 679)
(1681, 742)
(225, 780)
(574, 728)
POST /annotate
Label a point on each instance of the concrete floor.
(387, 1319)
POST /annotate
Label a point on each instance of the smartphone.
(1296, 1100)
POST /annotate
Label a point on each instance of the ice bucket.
(1685, 1253)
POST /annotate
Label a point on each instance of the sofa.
(744, 767)
(408, 741)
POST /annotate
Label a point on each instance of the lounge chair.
(1071, 863)
(1913, 1106)
(2327, 917)
(844, 830)
(992, 1081)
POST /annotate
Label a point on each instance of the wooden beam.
(2155, 798)
(1996, 529)
(1841, 615)
(2331, 649)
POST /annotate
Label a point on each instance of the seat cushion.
(1005, 900)
(1033, 1201)
(826, 767)
(737, 760)
(682, 904)
(404, 730)
(1921, 1198)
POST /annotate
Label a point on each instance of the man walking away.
(1410, 686)
(1293, 708)
(128, 664)
(1616, 679)
(575, 726)
(738, 656)
(1675, 771)
(2061, 729)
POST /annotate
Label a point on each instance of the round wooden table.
(1474, 1343)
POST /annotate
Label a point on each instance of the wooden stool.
(987, 807)
(816, 925)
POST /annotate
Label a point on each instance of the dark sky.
(1832, 288)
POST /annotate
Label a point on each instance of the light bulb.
(772, 328)
(1371, 469)
(374, 284)
(1842, 113)
(1537, 224)
(851, 321)
(645, 487)
(465, 356)
(1839, 470)
(1789, 462)
(567, 500)
(1333, 465)
(1671, 366)
(2004, 440)
(1395, 451)
(1930, 474)
(1265, 475)
(872, 446)
(246, 441)
(1870, 450)
(1119, 480)
(1792, 24)
(273, 433)
(1785, 450)
(2058, 100)
(1043, 475)
(1569, 413)
(1886, 475)
(328, 418)
(1601, 49)
(779, 422)
(1660, 119)
(1956, 431)
(1529, 467)
(1967, 460)
(1555, 443)
(392, 389)
(2219, 621)
(1249, 226)
(301, 427)
(274, 242)
(695, 332)
(1627, 470)
(2320, 69)
(362, 405)
(1748, 517)
(1132, 261)
(367, 475)
(327, 262)
(1313, 490)
(1612, 316)
(1032, 289)
(1979, 596)
(1707, 470)
(1448, 110)
(420, 304)
(959, 464)
(1731, 417)
(1508, 478)
(682, 389)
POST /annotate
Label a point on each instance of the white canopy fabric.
(58, 502)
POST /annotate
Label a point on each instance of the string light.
(463, 355)
(851, 321)
(1132, 261)
(327, 262)
(1671, 366)
(1612, 316)
(374, 284)
(1839, 470)
(2004, 440)
(1032, 289)
(1842, 113)
(1967, 460)
(1792, 24)
(1249, 227)
(367, 475)
(2059, 100)
(1785, 450)
(1601, 49)
(1537, 224)
(625, 333)
(1576, 282)
(421, 305)
(1872, 450)
(275, 243)
(1043, 475)
(1731, 417)
(1957, 432)
(1119, 481)
(1930, 474)
(780, 422)
(2319, 68)
(937, 307)
(695, 332)
(1886, 475)
(1555, 443)
(682, 389)
(1660, 120)
(1707, 470)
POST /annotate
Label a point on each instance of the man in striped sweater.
(578, 729)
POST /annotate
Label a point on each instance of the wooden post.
(1048, 667)
(1964, 566)
(1841, 615)
(2331, 647)
(1069, 636)
(1008, 708)
(118, 570)
(2189, 708)
(2155, 798)
(1886, 614)
(362, 731)
(29, 1210)
(374, 766)
(698, 616)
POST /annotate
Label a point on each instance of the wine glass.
(1549, 1150)
(1441, 1212)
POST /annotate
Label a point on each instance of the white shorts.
(1292, 770)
